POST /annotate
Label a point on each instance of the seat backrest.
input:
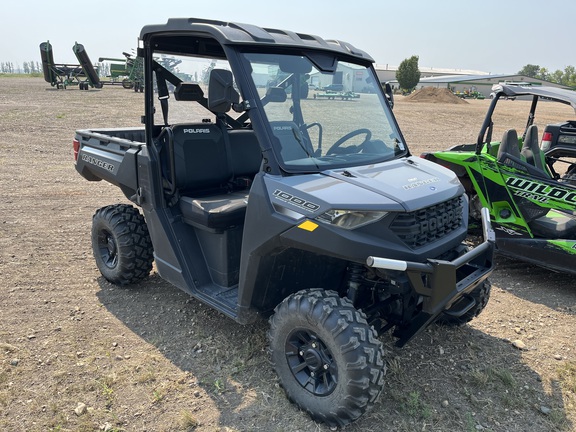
(292, 143)
(200, 158)
(245, 153)
(509, 145)
(531, 149)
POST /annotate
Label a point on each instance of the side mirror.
(389, 94)
(221, 93)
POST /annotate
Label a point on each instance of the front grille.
(421, 227)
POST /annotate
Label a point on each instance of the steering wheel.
(334, 148)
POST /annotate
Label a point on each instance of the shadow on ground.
(445, 379)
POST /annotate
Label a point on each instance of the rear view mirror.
(186, 91)
(276, 94)
(221, 93)
(293, 64)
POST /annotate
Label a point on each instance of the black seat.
(200, 159)
(202, 177)
(245, 155)
(509, 154)
(218, 212)
(531, 149)
(509, 146)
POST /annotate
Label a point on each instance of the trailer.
(332, 95)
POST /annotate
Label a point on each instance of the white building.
(459, 80)
(388, 73)
(480, 83)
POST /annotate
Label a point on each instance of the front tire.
(327, 357)
(121, 244)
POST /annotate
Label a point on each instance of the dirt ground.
(79, 354)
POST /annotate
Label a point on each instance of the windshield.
(324, 120)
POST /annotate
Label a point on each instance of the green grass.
(220, 386)
(415, 407)
(20, 75)
(567, 376)
(187, 421)
(158, 395)
(492, 376)
(504, 375)
(105, 384)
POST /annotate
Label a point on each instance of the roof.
(230, 33)
(552, 93)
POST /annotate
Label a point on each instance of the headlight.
(350, 219)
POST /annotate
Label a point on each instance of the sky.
(487, 36)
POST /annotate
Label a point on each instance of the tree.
(543, 74)
(569, 76)
(557, 77)
(530, 70)
(566, 77)
(408, 74)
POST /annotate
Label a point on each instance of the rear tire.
(327, 357)
(121, 244)
(481, 294)
(570, 176)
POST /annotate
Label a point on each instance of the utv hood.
(407, 184)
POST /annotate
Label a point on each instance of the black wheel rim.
(311, 362)
(108, 249)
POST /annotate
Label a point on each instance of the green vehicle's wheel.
(127, 84)
(570, 176)
(121, 244)
(328, 359)
(481, 294)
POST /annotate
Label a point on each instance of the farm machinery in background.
(128, 71)
(470, 93)
(335, 91)
(61, 75)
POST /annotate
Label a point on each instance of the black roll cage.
(555, 94)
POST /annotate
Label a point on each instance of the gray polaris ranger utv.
(263, 201)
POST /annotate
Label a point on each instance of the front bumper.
(443, 285)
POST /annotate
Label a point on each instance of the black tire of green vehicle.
(570, 176)
(121, 244)
(127, 84)
(481, 294)
(327, 357)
